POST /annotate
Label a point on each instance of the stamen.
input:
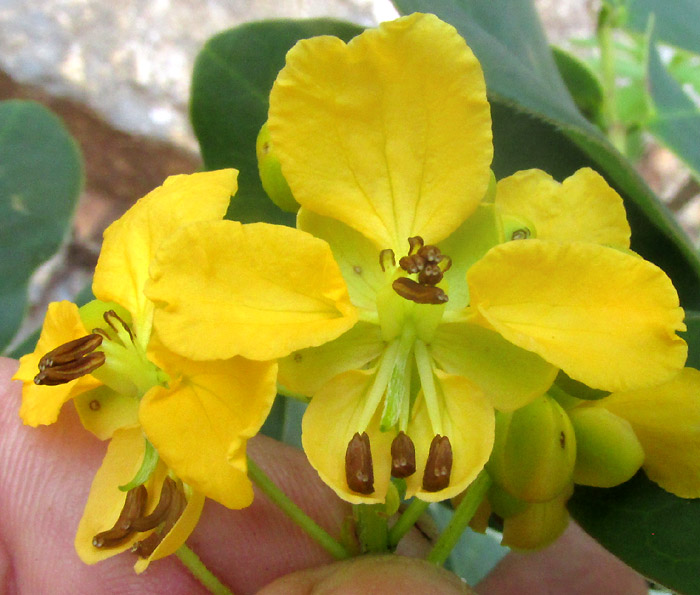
(430, 253)
(161, 510)
(403, 456)
(430, 275)
(383, 255)
(415, 243)
(438, 467)
(418, 293)
(146, 547)
(412, 263)
(359, 471)
(111, 314)
(64, 373)
(133, 508)
(520, 234)
(178, 503)
(69, 352)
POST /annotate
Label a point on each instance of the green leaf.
(582, 83)
(648, 528)
(676, 122)
(41, 176)
(231, 84)
(520, 71)
(675, 21)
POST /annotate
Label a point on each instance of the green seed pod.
(608, 451)
(534, 451)
(271, 176)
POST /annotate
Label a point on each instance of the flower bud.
(273, 181)
(608, 451)
(534, 451)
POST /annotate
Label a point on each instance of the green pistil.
(148, 466)
(127, 370)
(424, 363)
(398, 389)
(381, 380)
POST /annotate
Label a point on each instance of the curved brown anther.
(438, 467)
(110, 316)
(412, 263)
(430, 275)
(359, 471)
(146, 547)
(71, 351)
(445, 263)
(134, 504)
(419, 293)
(415, 243)
(403, 456)
(63, 373)
(383, 255)
(160, 512)
(430, 253)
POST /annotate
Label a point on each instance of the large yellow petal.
(584, 207)
(329, 424)
(131, 241)
(307, 370)
(508, 375)
(606, 317)
(357, 257)
(467, 420)
(390, 133)
(106, 500)
(41, 404)
(102, 411)
(201, 424)
(259, 290)
(666, 420)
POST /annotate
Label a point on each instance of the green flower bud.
(534, 451)
(503, 503)
(608, 451)
(273, 181)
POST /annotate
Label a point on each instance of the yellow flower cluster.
(436, 319)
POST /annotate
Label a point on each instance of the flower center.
(429, 265)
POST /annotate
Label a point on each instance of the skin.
(45, 476)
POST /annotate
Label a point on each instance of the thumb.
(371, 575)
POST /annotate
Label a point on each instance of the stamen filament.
(381, 380)
(398, 388)
(427, 380)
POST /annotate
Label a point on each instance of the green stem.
(201, 572)
(295, 513)
(409, 518)
(372, 528)
(463, 514)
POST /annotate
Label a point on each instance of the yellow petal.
(258, 290)
(666, 420)
(131, 241)
(41, 404)
(308, 370)
(357, 257)
(328, 425)
(390, 134)
(103, 411)
(509, 376)
(178, 534)
(606, 317)
(200, 425)
(105, 502)
(467, 420)
(582, 208)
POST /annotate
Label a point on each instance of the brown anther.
(359, 471)
(415, 243)
(412, 263)
(110, 316)
(520, 234)
(146, 547)
(445, 263)
(430, 275)
(384, 255)
(160, 512)
(403, 456)
(430, 253)
(61, 374)
(71, 351)
(134, 504)
(416, 292)
(438, 467)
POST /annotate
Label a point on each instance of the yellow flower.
(167, 416)
(386, 145)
